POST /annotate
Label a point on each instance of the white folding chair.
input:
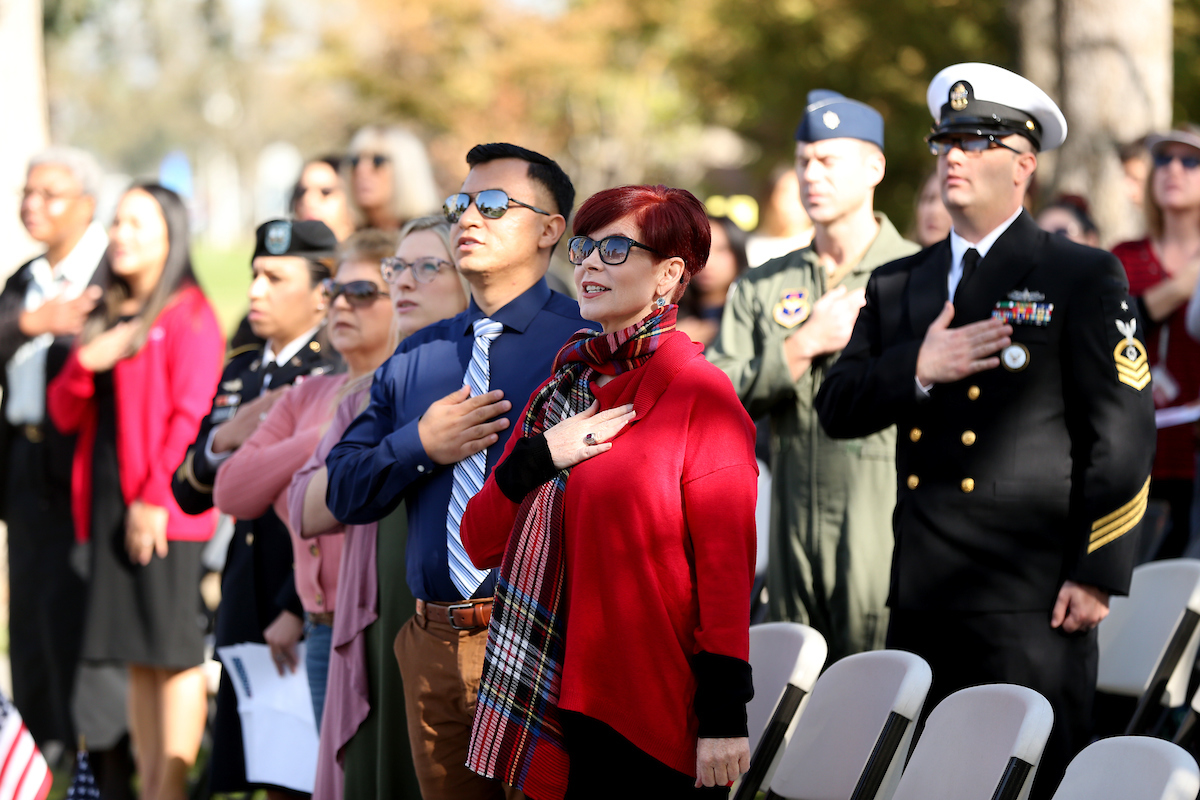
(981, 743)
(856, 730)
(786, 658)
(1187, 726)
(1130, 768)
(1148, 641)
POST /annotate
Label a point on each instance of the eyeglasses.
(613, 249)
(492, 203)
(377, 160)
(968, 144)
(46, 197)
(424, 270)
(1165, 159)
(359, 294)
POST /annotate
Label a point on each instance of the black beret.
(305, 238)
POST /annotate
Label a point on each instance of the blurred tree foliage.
(1187, 61)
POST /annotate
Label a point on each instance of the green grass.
(224, 274)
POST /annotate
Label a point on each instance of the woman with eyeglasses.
(364, 735)
(390, 178)
(622, 520)
(320, 194)
(134, 389)
(1163, 270)
(360, 325)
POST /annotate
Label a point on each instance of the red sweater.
(162, 393)
(1175, 457)
(659, 544)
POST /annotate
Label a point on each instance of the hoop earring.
(661, 302)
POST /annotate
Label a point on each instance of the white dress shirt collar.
(959, 246)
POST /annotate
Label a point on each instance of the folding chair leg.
(1186, 728)
(770, 742)
(1152, 697)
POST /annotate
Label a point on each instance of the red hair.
(672, 221)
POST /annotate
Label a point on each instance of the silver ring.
(590, 440)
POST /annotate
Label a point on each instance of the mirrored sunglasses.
(424, 270)
(1165, 159)
(492, 203)
(968, 144)
(613, 249)
(359, 294)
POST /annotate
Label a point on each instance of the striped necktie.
(468, 473)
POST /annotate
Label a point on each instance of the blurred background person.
(258, 597)
(42, 309)
(1136, 165)
(361, 328)
(1069, 216)
(783, 225)
(135, 391)
(703, 300)
(390, 178)
(320, 194)
(931, 220)
(364, 732)
(1163, 269)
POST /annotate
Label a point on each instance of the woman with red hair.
(622, 520)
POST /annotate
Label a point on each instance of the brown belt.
(469, 615)
(321, 618)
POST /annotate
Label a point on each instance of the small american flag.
(83, 783)
(23, 772)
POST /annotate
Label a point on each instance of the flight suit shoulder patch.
(793, 308)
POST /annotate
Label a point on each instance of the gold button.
(973, 393)
(915, 434)
(968, 438)
(314, 346)
(320, 600)
(913, 480)
(968, 485)
(312, 548)
(249, 539)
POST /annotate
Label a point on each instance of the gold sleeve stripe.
(185, 472)
(237, 351)
(1124, 519)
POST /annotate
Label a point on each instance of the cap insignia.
(831, 120)
(958, 96)
(279, 237)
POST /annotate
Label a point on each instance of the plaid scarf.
(517, 737)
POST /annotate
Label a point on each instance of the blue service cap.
(830, 115)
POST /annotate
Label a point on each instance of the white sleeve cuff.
(214, 459)
(922, 389)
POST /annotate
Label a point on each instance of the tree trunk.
(25, 132)
(1115, 86)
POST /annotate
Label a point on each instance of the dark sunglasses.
(613, 249)
(492, 203)
(968, 144)
(359, 294)
(377, 160)
(424, 270)
(1165, 159)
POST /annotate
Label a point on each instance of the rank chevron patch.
(1133, 369)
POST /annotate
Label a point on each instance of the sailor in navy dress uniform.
(258, 580)
(1023, 460)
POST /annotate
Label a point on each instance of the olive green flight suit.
(831, 509)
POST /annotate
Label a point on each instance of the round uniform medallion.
(1015, 357)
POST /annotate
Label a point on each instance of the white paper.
(279, 732)
(1177, 415)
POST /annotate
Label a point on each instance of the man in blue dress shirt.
(441, 410)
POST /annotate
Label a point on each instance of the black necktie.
(970, 262)
(268, 372)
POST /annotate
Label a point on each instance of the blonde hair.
(414, 191)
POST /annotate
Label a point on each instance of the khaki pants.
(440, 667)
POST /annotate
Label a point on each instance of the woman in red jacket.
(135, 390)
(622, 521)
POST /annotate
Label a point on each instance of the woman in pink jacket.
(135, 390)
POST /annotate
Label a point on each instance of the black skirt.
(151, 615)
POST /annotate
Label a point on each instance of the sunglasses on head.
(359, 294)
(492, 203)
(377, 160)
(424, 270)
(968, 144)
(1165, 159)
(613, 249)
